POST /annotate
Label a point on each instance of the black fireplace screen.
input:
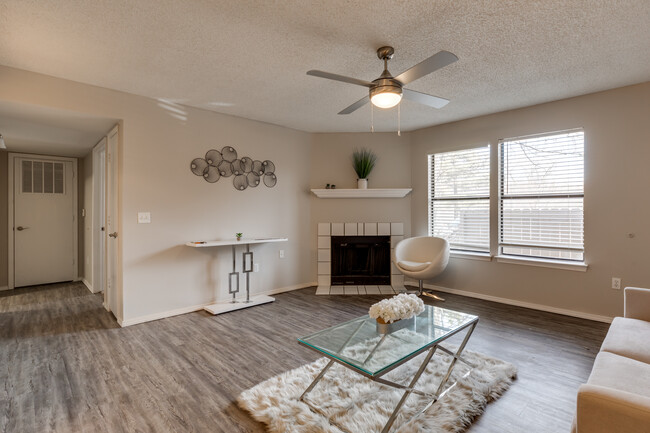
(360, 260)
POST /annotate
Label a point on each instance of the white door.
(111, 299)
(44, 226)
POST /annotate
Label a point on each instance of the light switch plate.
(144, 217)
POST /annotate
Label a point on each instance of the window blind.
(542, 195)
(459, 198)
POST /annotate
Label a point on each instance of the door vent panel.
(43, 177)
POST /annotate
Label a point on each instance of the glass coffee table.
(373, 350)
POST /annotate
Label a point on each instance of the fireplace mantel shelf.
(362, 193)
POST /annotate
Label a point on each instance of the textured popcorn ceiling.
(249, 58)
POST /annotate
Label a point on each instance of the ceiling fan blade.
(425, 67)
(360, 103)
(424, 99)
(337, 77)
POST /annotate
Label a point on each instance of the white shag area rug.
(355, 404)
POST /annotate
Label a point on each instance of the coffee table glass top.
(358, 343)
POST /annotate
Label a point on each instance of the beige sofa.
(616, 398)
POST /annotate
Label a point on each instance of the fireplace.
(329, 231)
(360, 260)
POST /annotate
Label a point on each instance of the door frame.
(114, 176)
(97, 254)
(10, 226)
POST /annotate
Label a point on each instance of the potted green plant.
(238, 235)
(363, 161)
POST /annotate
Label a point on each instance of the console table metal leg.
(423, 367)
(247, 270)
(318, 378)
(235, 274)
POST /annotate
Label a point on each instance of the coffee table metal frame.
(410, 388)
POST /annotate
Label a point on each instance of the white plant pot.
(362, 183)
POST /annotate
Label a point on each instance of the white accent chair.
(422, 258)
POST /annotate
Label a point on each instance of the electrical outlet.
(256, 267)
(616, 283)
(282, 254)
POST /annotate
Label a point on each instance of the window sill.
(470, 256)
(544, 263)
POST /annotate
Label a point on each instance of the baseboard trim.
(3, 288)
(288, 288)
(193, 308)
(88, 285)
(539, 307)
(162, 315)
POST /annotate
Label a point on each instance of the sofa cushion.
(629, 338)
(621, 373)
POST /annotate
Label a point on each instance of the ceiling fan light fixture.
(386, 96)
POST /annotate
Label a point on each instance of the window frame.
(562, 263)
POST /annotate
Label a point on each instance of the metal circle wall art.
(246, 172)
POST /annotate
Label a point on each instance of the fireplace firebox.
(360, 260)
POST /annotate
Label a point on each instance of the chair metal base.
(422, 292)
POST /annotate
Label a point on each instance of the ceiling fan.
(387, 91)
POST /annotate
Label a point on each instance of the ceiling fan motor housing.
(385, 85)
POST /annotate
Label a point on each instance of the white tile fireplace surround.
(325, 232)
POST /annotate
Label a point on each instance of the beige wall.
(4, 218)
(160, 274)
(331, 162)
(617, 179)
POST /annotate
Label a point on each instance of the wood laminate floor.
(66, 366)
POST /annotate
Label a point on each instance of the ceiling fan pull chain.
(399, 120)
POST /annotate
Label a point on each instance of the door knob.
(21, 228)
(112, 235)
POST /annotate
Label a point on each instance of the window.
(459, 198)
(541, 187)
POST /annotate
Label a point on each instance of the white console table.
(247, 268)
